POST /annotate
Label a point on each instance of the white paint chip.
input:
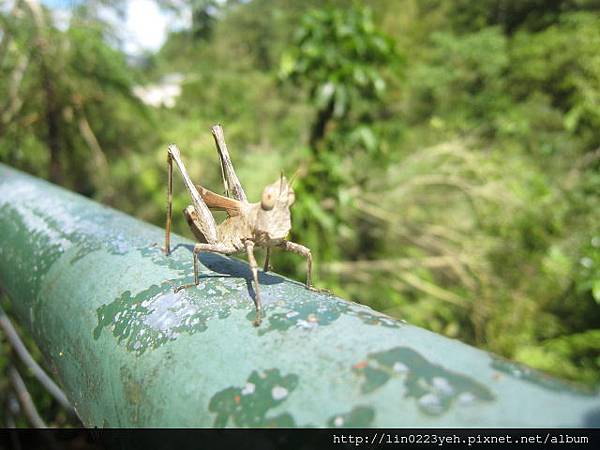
(442, 385)
(431, 403)
(399, 367)
(465, 398)
(249, 389)
(279, 392)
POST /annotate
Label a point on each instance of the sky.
(145, 27)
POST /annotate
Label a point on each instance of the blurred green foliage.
(339, 57)
(447, 152)
(336, 53)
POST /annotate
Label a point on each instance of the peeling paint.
(434, 388)
(372, 318)
(244, 407)
(359, 417)
(310, 315)
(303, 315)
(177, 261)
(158, 315)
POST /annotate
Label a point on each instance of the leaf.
(379, 85)
(287, 64)
(572, 118)
(596, 291)
(341, 102)
(359, 75)
(324, 94)
(368, 138)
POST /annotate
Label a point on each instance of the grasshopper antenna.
(294, 178)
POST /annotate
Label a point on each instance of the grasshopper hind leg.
(194, 223)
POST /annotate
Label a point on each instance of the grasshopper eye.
(267, 201)
(291, 198)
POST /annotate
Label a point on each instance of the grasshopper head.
(274, 219)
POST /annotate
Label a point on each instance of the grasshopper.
(248, 225)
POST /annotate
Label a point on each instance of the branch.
(37, 12)
(46, 64)
(6, 36)
(432, 289)
(11, 409)
(454, 263)
(14, 101)
(388, 265)
(25, 398)
(100, 169)
(27, 359)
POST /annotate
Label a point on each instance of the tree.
(337, 55)
(65, 90)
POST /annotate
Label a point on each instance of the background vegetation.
(447, 152)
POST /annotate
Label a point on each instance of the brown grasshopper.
(248, 225)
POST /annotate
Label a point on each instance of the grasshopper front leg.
(254, 267)
(267, 267)
(302, 251)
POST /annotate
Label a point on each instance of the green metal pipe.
(95, 291)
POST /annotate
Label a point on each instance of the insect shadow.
(231, 268)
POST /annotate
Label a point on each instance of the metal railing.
(94, 289)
